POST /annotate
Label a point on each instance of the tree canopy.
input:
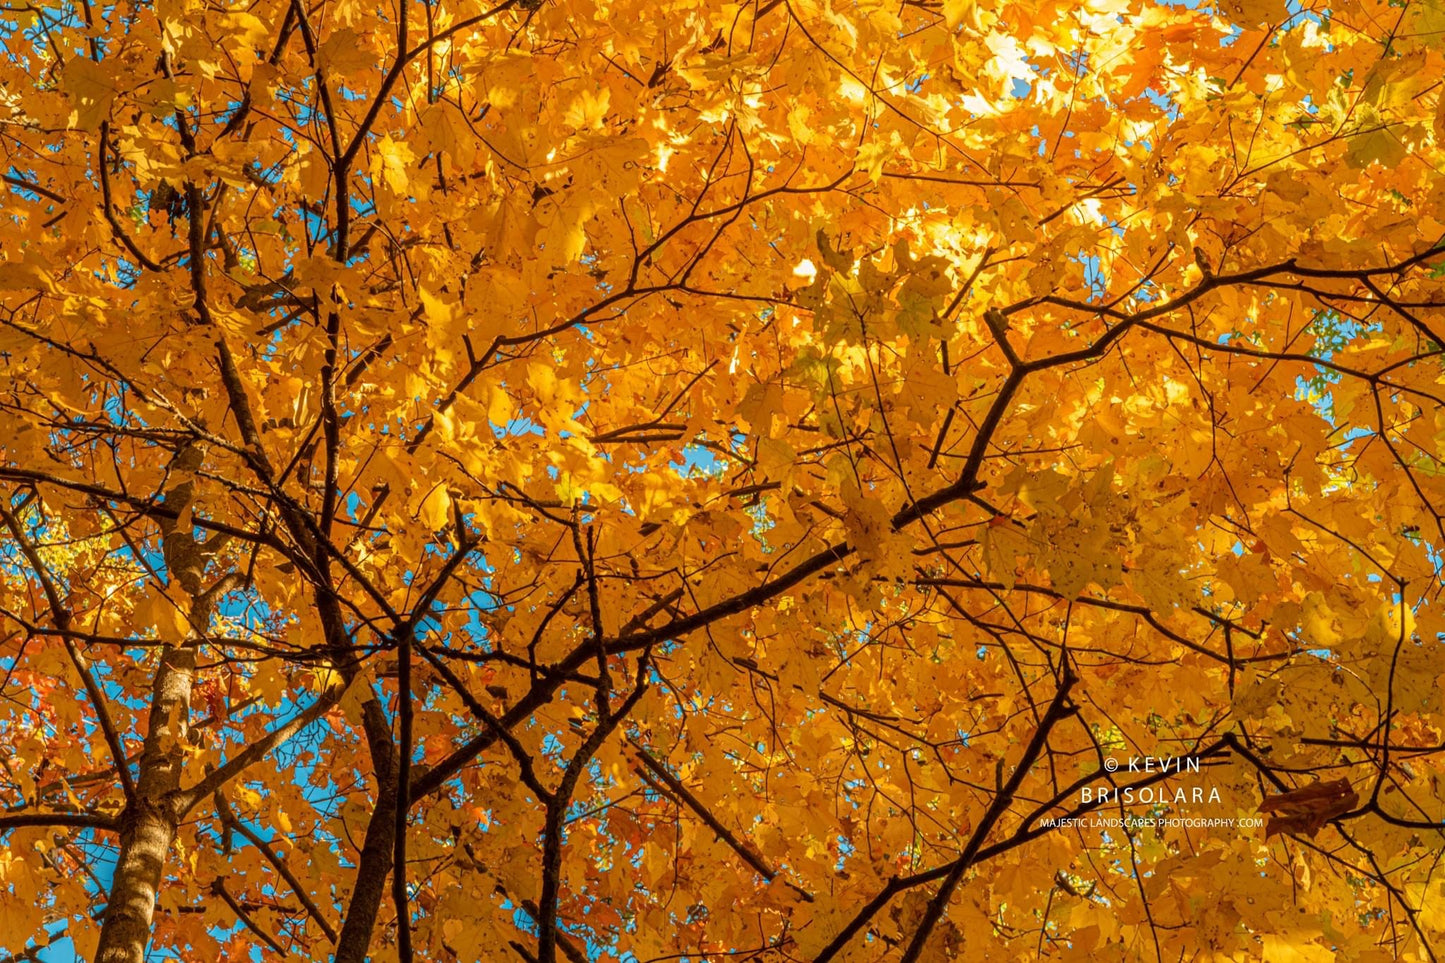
(785, 480)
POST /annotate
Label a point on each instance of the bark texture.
(148, 825)
(375, 862)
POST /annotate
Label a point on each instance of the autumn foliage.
(599, 479)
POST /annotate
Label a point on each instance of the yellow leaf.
(543, 379)
(436, 310)
(798, 124)
(396, 158)
(499, 406)
(343, 53)
(589, 109)
(436, 507)
(245, 27)
(91, 90)
(268, 682)
(957, 11)
(871, 156)
(26, 275)
(1291, 949)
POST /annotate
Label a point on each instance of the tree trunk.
(374, 864)
(372, 872)
(148, 825)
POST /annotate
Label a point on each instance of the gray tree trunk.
(148, 825)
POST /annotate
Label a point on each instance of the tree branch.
(26, 820)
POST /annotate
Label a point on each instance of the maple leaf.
(92, 91)
(1307, 810)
